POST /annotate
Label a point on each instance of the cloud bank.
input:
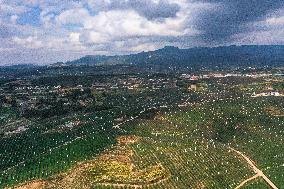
(39, 31)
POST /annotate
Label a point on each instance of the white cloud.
(29, 42)
(7, 9)
(92, 37)
(129, 23)
(6, 49)
(109, 27)
(73, 16)
(119, 24)
(150, 9)
(46, 19)
(74, 37)
(14, 19)
(144, 47)
(260, 37)
(276, 20)
(264, 32)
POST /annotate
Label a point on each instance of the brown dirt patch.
(125, 140)
(200, 185)
(38, 184)
(115, 163)
(274, 111)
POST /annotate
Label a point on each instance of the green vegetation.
(257, 184)
(184, 136)
(52, 145)
(279, 85)
(189, 144)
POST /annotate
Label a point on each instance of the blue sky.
(43, 32)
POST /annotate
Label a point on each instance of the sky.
(44, 32)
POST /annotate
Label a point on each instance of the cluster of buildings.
(268, 93)
(135, 83)
(28, 96)
(223, 75)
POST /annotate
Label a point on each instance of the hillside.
(227, 56)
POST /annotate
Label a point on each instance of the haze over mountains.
(199, 57)
(218, 56)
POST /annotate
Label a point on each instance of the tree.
(229, 124)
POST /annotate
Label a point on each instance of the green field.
(191, 144)
(50, 146)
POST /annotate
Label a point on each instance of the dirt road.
(258, 172)
(247, 180)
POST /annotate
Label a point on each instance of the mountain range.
(225, 56)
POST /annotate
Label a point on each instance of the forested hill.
(226, 56)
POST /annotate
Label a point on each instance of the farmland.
(253, 136)
(191, 155)
(145, 137)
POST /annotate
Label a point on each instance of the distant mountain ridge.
(248, 55)
(20, 66)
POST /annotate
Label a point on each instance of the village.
(27, 95)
